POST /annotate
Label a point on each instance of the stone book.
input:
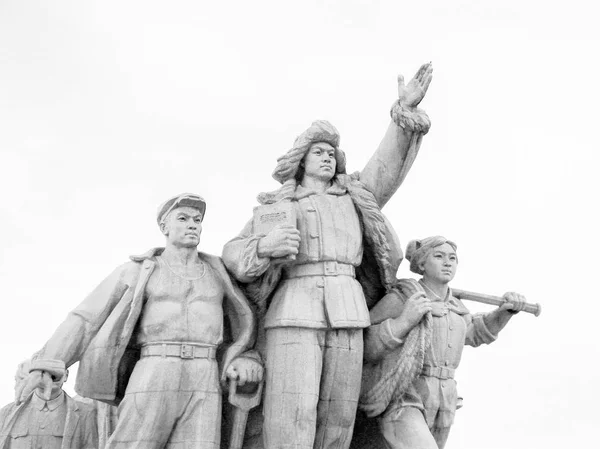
(267, 216)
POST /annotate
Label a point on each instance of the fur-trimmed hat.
(319, 131)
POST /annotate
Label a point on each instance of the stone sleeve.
(379, 340)
(73, 336)
(477, 331)
(240, 256)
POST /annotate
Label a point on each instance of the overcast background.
(109, 108)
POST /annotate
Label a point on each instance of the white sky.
(109, 108)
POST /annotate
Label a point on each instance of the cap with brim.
(183, 200)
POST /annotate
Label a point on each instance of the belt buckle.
(331, 268)
(444, 373)
(187, 352)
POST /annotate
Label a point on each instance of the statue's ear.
(164, 228)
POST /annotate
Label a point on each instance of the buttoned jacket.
(453, 326)
(80, 429)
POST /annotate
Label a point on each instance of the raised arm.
(390, 163)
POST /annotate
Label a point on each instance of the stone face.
(48, 417)
(147, 338)
(312, 282)
(354, 357)
(413, 348)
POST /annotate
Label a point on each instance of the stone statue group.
(302, 321)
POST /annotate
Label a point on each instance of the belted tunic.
(319, 289)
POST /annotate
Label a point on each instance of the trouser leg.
(170, 404)
(339, 388)
(200, 425)
(145, 421)
(293, 374)
(407, 430)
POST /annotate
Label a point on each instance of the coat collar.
(449, 303)
(151, 253)
(52, 404)
(335, 189)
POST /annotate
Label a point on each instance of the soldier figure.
(314, 305)
(57, 422)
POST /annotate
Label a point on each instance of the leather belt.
(440, 372)
(327, 268)
(183, 351)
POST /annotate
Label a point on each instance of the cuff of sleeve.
(252, 355)
(387, 336)
(255, 266)
(414, 119)
(52, 366)
(483, 333)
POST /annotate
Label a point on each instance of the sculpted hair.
(418, 250)
(319, 131)
(289, 171)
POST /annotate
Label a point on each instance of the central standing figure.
(303, 278)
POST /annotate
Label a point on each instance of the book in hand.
(268, 216)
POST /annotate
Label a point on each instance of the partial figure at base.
(48, 419)
(414, 346)
(313, 276)
(150, 334)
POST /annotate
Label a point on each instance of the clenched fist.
(36, 379)
(415, 308)
(514, 302)
(281, 241)
(245, 370)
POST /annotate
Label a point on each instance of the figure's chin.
(190, 244)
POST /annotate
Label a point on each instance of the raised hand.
(281, 241)
(412, 94)
(36, 379)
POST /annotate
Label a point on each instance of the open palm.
(412, 94)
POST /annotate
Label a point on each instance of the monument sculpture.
(164, 333)
(47, 419)
(149, 336)
(313, 276)
(414, 345)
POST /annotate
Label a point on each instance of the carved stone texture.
(52, 422)
(149, 336)
(312, 281)
(413, 347)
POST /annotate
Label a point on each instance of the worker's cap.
(185, 199)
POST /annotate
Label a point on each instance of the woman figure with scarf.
(414, 346)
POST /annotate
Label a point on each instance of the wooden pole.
(535, 309)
